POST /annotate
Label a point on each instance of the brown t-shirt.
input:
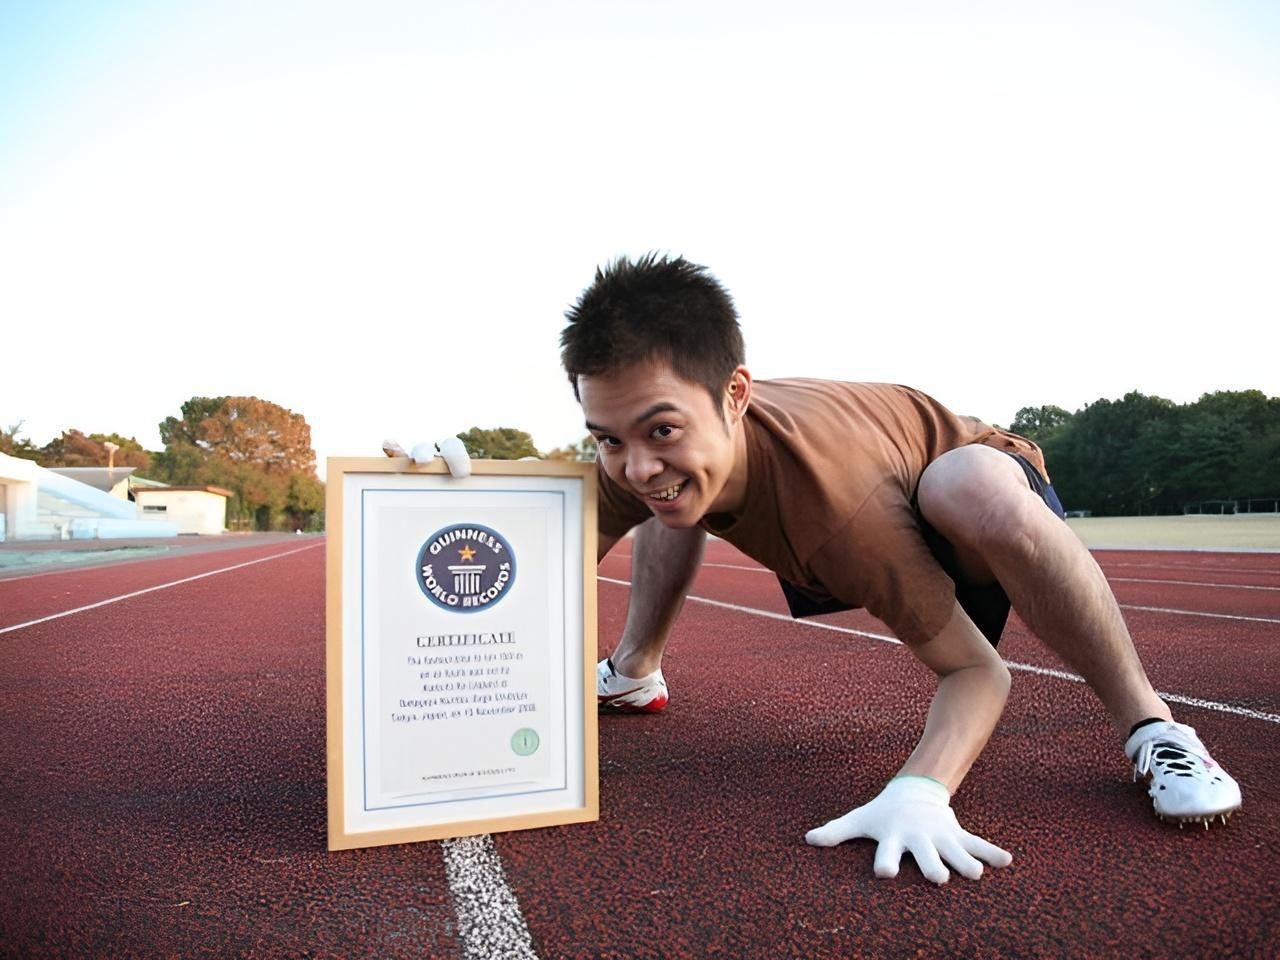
(832, 469)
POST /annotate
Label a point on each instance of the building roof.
(140, 491)
(100, 478)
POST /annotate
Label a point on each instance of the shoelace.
(1175, 739)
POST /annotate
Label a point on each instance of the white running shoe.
(618, 694)
(1187, 785)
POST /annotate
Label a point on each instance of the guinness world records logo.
(465, 567)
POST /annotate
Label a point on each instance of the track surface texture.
(162, 784)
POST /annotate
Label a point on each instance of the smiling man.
(855, 495)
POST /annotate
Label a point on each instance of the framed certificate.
(461, 646)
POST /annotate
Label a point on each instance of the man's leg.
(664, 562)
(978, 498)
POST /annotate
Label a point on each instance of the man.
(855, 495)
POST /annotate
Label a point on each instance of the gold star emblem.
(466, 553)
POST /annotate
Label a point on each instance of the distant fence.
(1250, 505)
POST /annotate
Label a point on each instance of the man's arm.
(913, 813)
(664, 562)
(973, 685)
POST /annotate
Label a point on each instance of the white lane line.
(1197, 567)
(738, 566)
(162, 586)
(1124, 606)
(1193, 583)
(1201, 613)
(489, 917)
(1011, 664)
(1180, 583)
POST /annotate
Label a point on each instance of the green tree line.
(1136, 455)
(1144, 454)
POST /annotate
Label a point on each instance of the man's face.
(662, 438)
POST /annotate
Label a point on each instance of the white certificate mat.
(461, 629)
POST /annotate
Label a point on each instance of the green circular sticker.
(524, 741)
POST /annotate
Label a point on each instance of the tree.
(501, 443)
(188, 430)
(1036, 423)
(584, 449)
(1103, 458)
(131, 452)
(304, 502)
(257, 449)
(1144, 454)
(74, 449)
(22, 448)
(244, 430)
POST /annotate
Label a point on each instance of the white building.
(115, 481)
(39, 504)
(190, 509)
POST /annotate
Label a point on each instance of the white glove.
(450, 448)
(913, 814)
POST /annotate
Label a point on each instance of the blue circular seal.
(466, 568)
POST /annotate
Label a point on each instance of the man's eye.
(664, 431)
(608, 441)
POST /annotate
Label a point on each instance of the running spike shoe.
(618, 694)
(1186, 784)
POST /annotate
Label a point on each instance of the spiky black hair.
(654, 308)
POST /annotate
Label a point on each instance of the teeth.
(670, 493)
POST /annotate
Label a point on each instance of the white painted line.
(1198, 567)
(1180, 583)
(1192, 583)
(1126, 606)
(1011, 664)
(738, 566)
(1201, 613)
(489, 918)
(162, 586)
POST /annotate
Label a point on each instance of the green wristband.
(921, 776)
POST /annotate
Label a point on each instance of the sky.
(375, 214)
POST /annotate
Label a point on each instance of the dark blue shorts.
(986, 604)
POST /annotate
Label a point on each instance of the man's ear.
(738, 393)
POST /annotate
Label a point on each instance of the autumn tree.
(584, 449)
(257, 449)
(500, 443)
(73, 448)
(243, 430)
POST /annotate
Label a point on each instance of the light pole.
(111, 449)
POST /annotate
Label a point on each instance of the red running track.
(162, 785)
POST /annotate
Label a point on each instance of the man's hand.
(451, 449)
(913, 814)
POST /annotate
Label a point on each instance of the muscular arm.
(664, 562)
(973, 684)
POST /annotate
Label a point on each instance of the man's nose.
(642, 467)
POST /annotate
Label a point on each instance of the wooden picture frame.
(460, 649)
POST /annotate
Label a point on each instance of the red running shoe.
(618, 694)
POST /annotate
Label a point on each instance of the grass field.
(1230, 532)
